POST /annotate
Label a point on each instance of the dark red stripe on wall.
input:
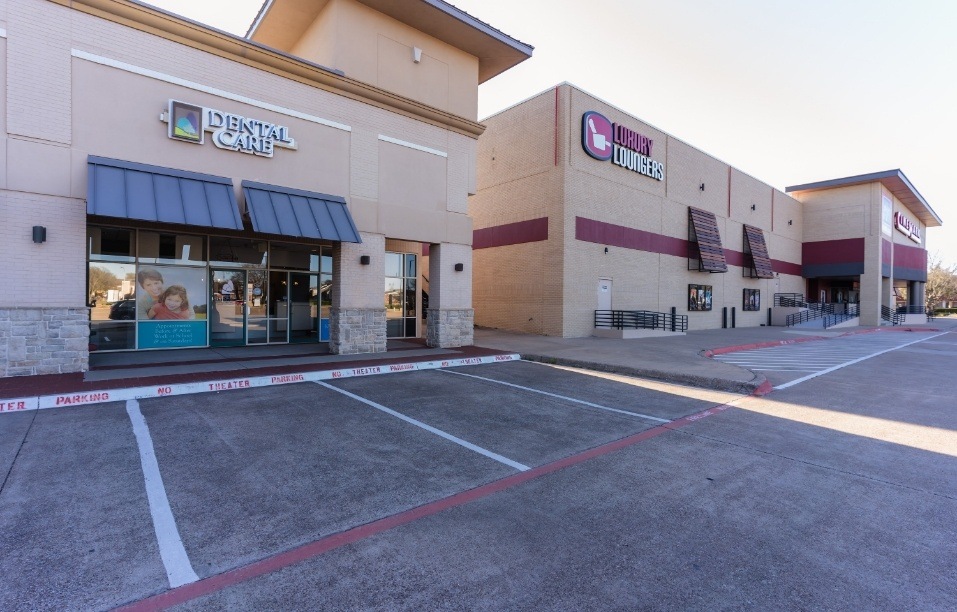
(886, 251)
(589, 230)
(520, 232)
(910, 257)
(734, 258)
(786, 267)
(825, 252)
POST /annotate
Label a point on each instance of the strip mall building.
(167, 185)
(582, 207)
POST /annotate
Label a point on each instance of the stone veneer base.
(357, 330)
(44, 341)
(450, 327)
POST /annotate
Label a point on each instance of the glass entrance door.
(279, 307)
(303, 307)
(227, 313)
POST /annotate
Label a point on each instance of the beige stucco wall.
(78, 85)
(377, 49)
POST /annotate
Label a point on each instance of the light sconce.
(365, 260)
(701, 187)
(606, 250)
(790, 222)
(459, 267)
(39, 234)
(416, 55)
(754, 207)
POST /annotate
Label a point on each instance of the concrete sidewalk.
(683, 359)
(680, 358)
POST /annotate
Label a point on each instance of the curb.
(64, 400)
(717, 384)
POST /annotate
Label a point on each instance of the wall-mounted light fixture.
(701, 187)
(365, 260)
(606, 250)
(754, 207)
(790, 222)
(39, 234)
(416, 55)
(459, 267)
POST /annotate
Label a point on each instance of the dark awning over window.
(292, 212)
(760, 260)
(129, 190)
(705, 241)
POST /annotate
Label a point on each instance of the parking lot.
(501, 486)
(248, 474)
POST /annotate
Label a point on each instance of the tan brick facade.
(531, 165)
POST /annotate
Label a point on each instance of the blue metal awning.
(129, 190)
(303, 214)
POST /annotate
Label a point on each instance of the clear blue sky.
(789, 92)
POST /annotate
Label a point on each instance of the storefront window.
(110, 244)
(111, 291)
(325, 293)
(294, 256)
(237, 252)
(149, 289)
(171, 306)
(400, 295)
(183, 249)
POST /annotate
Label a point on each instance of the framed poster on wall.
(699, 297)
(752, 299)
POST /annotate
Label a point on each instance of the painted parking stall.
(65, 400)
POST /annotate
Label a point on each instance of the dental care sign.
(625, 147)
(189, 123)
(906, 226)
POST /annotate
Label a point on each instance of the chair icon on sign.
(597, 135)
(598, 140)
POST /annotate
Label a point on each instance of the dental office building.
(166, 185)
(583, 207)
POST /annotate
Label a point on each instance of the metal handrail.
(790, 299)
(911, 309)
(853, 310)
(891, 316)
(640, 319)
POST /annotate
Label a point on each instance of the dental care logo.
(625, 147)
(189, 123)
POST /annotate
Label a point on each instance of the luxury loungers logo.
(625, 147)
(189, 123)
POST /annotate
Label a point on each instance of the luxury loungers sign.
(189, 123)
(906, 226)
(625, 147)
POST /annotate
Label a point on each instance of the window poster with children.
(170, 306)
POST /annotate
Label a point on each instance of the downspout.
(556, 125)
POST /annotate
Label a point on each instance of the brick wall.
(550, 287)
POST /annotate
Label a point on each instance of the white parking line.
(852, 362)
(179, 571)
(478, 449)
(562, 397)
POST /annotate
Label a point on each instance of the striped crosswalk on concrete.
(810, 359)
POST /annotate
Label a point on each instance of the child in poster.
(173, 304)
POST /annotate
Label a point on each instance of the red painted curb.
(763, 389)
(213, 584)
